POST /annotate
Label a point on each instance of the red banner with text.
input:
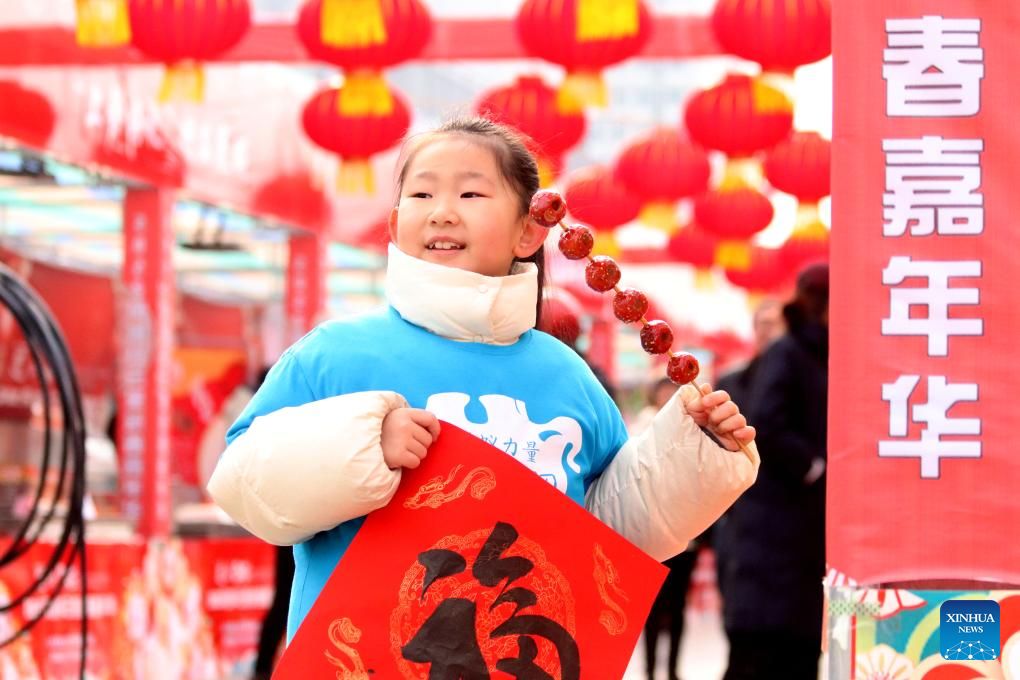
(922, 466)
(145, 346)
(243, 148)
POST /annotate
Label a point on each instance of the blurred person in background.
(767, 325)
(772, 543)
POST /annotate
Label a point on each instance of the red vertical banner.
(145, 335)
(306, 282)
(922, 464)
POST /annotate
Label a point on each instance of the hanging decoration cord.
(57, 382)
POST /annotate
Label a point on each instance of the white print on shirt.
(547, 448)
(933, 67)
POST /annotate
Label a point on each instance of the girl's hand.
(407, 434)
(719, 414)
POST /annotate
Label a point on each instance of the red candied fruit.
(602, 273)
(547, 208)
(682, 368)
(576, 242)
(656, 337)
(630, 305)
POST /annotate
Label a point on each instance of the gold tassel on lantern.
(768, 99)
(605, 244)
(580, 89)
(741, 173)
(364, 93)
(352, 23)
(102, 23)
(660, 215)
(704, 279)
(606, 19)
(809, 225)
(354, 176)
(734, 255)
(183, 81)
(546, 172)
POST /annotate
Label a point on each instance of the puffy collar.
(462, 305)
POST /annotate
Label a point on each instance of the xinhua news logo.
(969, 630)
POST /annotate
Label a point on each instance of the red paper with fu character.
(477, 568)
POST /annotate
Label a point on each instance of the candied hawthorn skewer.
(602, 274)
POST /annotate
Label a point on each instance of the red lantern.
(594, 197)
(809, 241)
(182, 33)
(295, 199)
(561, 315)
(737, 213)
(102, 23)
(404, 29)
(25, 115)
(765, 272)
(375, 237)
(799, 252)
(734, 214)
(800, 166)
(583, 36)
(363, 37)
(529, 105)
(694, 246)
(739, 116)
(777, 34)
(354, 138)
(661, 167)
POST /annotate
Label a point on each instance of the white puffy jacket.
(663, 488)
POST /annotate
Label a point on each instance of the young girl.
(347, 407)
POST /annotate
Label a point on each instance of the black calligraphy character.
(524, 666)
(490, 568)
(447, 640)
(439, 564)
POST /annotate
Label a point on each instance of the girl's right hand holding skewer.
(407, 434)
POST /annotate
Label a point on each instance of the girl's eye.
(420, 194)
(471, 194)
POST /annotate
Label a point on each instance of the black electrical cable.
(55, 374)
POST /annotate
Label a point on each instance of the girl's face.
(455, 209)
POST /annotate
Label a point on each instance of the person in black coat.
(768, 325)
(772, 544)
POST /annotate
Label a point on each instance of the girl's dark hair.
(516, 166)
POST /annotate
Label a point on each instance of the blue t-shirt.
(536, 399)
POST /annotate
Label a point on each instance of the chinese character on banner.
(932, 185)
(458, 578)
(933, 67)
(934, 414)
(937, 296)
